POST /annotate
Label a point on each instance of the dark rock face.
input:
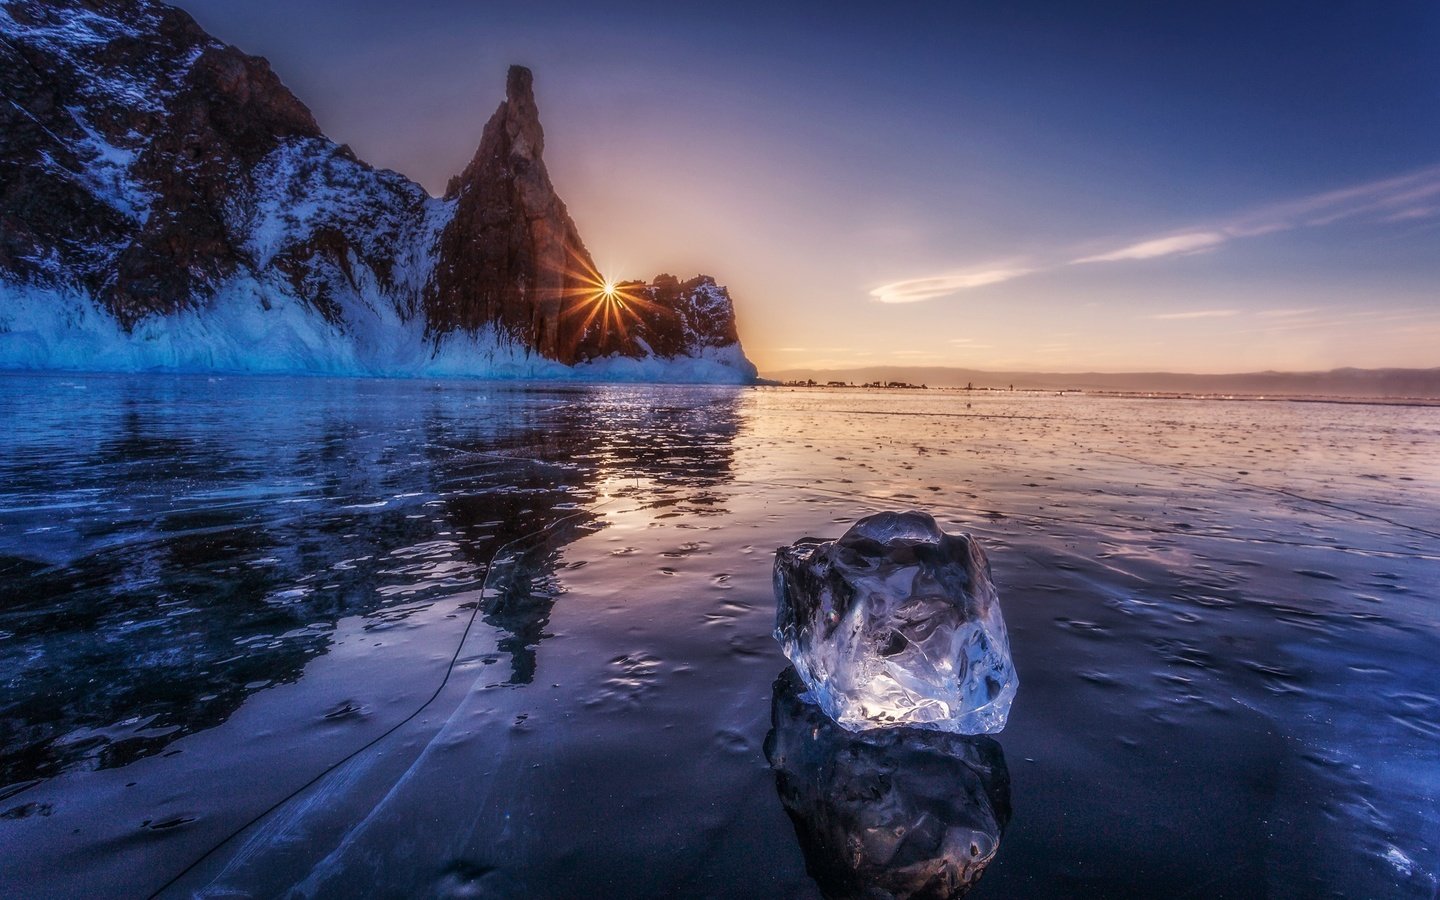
(155, 170)
(72, 122)
(129, 132)
(230, 113)
(511, 255)
(667, 316)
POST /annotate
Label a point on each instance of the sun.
(606, 308)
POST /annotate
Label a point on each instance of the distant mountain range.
(167, 203)
(1394, 383)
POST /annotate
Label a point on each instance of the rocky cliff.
(166, 202)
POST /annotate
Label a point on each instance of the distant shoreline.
(1410, 386)
(1427, 402)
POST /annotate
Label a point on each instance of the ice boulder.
(896, 623)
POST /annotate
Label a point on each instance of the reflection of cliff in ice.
(521, 590)
(205, 545)
(892, 812)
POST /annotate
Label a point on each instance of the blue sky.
(1125, 186)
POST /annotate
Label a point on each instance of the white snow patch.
(1402, 863)
(307, 186)
(711, 296)
(106, 172)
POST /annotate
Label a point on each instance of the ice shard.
(896, 623)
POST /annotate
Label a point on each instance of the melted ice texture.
(897, 623)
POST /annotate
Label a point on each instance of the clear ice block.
(896, 623)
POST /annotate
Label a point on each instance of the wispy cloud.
(1374, 201)
(1195, 242)
(915, 290)
(1413, 214)
(918, 354)
(1403, 198)
(1198, 314)
(1286, 313)
(1410, 197)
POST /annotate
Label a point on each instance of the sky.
(1052, 186)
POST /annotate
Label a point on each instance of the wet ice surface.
(234, 602)
(896, 623)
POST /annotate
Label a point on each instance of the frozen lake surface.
(372, 638)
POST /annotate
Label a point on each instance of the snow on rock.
(171, 205)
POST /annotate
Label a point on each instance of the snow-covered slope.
(166, 203)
